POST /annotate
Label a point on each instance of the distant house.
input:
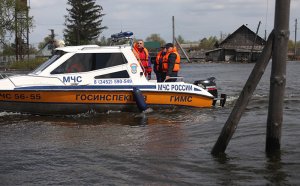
(153, 48)
(243, 45)
(46, 51)
(294, 56)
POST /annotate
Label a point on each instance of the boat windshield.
(47, 63)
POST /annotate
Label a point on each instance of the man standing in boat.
(171, 63)
(160, 75)
(143, 57)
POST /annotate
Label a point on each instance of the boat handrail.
(3, 76)
(179, 78)
(89, 48)
(48, 77)
(104, 47)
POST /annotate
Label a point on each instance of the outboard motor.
(210, 86)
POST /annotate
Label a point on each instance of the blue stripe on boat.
(86, 87)
(196, 89)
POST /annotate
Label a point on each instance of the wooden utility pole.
(173, 30)
(27, 31)
(17, 50)
(278, 75)
(52, 41)
(175, 40)
(276, 44)
(242, 101)
(183, 51)
(295, 49)
(254, 41)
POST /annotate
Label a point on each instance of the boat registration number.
(20, 96)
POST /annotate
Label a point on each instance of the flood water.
(162, 147)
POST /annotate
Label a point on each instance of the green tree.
(180, 39)
(103, 41)
(46, 40)
(83, 22)
(208, 43)
(9, 11)
(8, 50)
(157, 38)
(291, 45)
(7, 16)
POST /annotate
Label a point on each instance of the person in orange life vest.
(157, 68)
(142, 55)
(171, 63)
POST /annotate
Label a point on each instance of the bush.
(27, 65)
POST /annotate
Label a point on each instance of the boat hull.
(62, 102)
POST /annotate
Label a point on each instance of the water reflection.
(155, 117)
(274, 169)
(229, 170)
(160, 117)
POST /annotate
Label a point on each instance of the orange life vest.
(159, 59)
(143, 61)
(165, 61)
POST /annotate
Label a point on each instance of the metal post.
(278, 75)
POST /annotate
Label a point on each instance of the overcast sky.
(194, 19)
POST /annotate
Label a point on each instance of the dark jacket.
(171, 63)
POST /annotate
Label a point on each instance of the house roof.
(249, 37)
